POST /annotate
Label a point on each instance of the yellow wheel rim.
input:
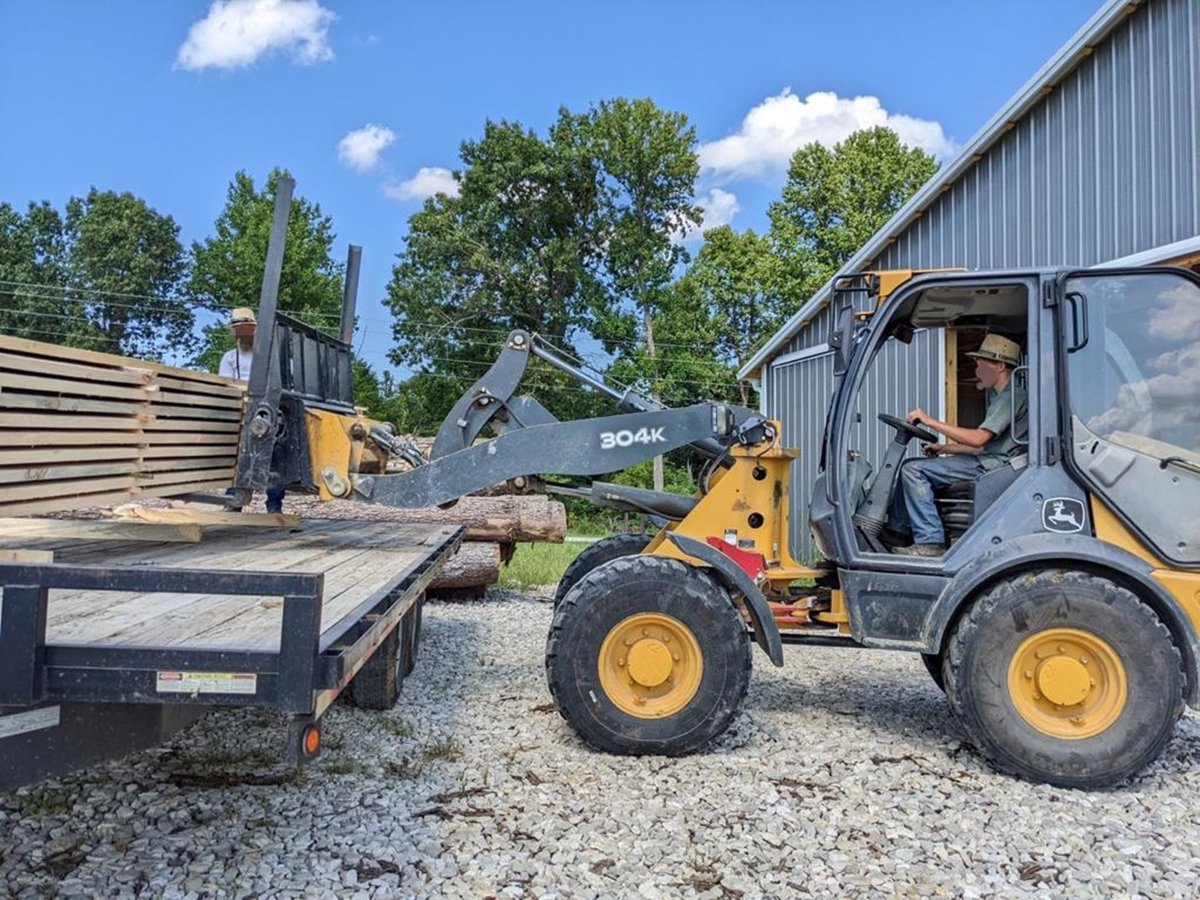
(650, 665)
(1067, 683)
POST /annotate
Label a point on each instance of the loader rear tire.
(933, 664)
(1066, 678)
(377, 684)
(648, 655)
(614, 546)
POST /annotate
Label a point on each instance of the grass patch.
(448, 750)
(535, 565)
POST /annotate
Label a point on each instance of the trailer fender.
(1067, 551)
(766, 633)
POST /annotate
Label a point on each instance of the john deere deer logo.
(1063, 514)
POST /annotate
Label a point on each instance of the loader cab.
(938, 317)
(1111, 368)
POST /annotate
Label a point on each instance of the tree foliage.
(105, 276)
(126, 262)
(835, 200)
(227, 267)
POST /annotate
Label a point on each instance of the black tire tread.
(615, 546)
(985, 607)
(613, 575)
(377, 684)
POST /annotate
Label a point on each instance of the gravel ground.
(844, 774)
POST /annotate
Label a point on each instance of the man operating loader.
(967, 453)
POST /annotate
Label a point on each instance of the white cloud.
(428, 181)
(360, 149)
(775, 129)
(719, 207)
(237, 32)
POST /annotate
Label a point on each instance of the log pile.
(80, 428)
(494, 525)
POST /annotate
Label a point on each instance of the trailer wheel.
(614, 546)
(1066, 678)
(377, 684)
(411, 639)
(648, 655)
(933, 665)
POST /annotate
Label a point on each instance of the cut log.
(506, 519)
(473, 565)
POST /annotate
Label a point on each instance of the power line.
(307, 314)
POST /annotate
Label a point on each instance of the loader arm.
(583, 447)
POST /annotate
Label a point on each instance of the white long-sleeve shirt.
(236, 364)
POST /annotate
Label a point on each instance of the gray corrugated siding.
(1104, 167)
(900, 378)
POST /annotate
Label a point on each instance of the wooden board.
(359, 561)
(78, 428)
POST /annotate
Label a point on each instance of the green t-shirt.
(998, 421)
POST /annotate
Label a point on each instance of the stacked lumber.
(80, 428)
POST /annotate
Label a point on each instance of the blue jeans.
(912, 507)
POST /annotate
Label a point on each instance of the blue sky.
(169, 99)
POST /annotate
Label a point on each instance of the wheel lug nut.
(620, 662)
(675, 656)
(645, 632)
(1084, 660)
(1029, 673)
(1037, 696)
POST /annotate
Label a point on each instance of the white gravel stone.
(844, 774)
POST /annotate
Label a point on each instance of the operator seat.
(961, 503)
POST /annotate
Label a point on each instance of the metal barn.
(1093, 161)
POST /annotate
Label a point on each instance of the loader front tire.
(648, 655)
(1066, 678)
(615, 546)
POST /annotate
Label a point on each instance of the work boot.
(921, 550)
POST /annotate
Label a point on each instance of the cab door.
(1130, 354)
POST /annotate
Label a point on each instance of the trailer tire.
(615, 546)
(1065, 677)
(648, 655)
(377, 684)
(411, 638)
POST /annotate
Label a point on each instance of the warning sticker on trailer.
(33, 720)
(207, 683)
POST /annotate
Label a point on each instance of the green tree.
(125, 263)
(517, 247)
(34, 302)
(104, 277)
(227, 268)
(733, 280)
(647, 168)
(834, 200)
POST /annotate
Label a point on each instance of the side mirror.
(903, 332)
(841, 338)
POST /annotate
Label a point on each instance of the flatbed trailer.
(109, 647)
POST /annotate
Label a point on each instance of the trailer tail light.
(312, 740)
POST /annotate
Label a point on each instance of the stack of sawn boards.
(80, 428)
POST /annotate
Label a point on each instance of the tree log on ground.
(474, 564)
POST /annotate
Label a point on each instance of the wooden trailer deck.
(361, 563)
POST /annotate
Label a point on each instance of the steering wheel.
(908, 430)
